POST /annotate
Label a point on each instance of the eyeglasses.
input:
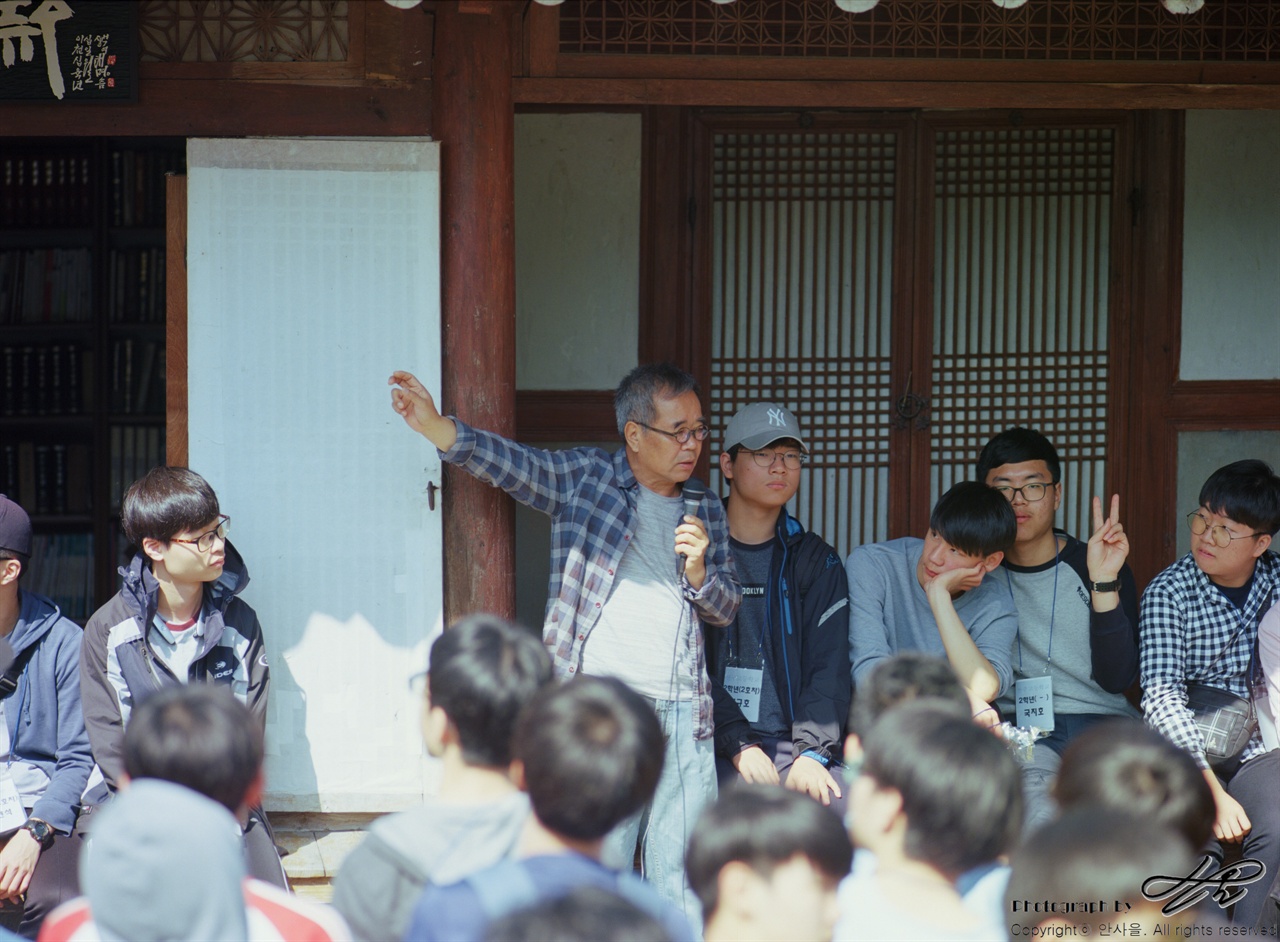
(791, 460)
(1220, 535)
(1030, 492)
(204, 542)
(700, 433)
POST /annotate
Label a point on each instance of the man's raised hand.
(414, 404)
(1109, 544)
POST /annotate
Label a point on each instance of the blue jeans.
(662, 828)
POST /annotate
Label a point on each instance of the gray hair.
(633, 400)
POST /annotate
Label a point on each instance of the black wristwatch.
(42, 831)
(1112, 586)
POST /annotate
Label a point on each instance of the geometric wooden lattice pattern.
(245, 30)
(1087, 30)
(1021, 272)
(802, 258)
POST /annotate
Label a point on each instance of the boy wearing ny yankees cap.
(780, 676)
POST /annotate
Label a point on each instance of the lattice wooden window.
(1021, 272)
(245, 30)
(1089, 30)
(802, 271)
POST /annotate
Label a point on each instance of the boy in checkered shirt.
(1198, 624)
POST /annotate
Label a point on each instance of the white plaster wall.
(577, 249)
(1231, 246)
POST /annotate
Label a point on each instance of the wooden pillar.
(474, 120)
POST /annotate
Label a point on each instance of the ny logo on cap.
(777, 417)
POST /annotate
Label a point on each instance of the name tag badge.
(1035, 702)
(12, 814)
(744, 685)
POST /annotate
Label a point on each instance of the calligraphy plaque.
(69, 50)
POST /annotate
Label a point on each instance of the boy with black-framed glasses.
(1199, 626)
(1076, 649)
(178, 618)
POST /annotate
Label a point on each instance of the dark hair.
(164, 502)
(196, 735)
(1015, 445)
(592, 752)
(763, 827)
(1126, 766)
(904, 677)
(1093, 854)
(484, 671)
(633, 400)
(584, 914)
(1246, 491)
(961, 788)
(975, 519)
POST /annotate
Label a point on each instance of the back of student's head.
(1014, 446)
(592, 751)
(961, 788)
(164, 502)
(763, 827)
(196, 735)
(584, 914)
(975, 519)
(907, 676)
(165, 864)
(1093, 854)
(1246, 491)
(483, 671)
(1126, 766)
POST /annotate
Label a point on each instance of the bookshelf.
(82, 346)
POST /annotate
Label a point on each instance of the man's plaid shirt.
(590, 495)
(1184, 623)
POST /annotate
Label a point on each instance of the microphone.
(693, 492)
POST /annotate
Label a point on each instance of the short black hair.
(592, 751)
(196, 735)
(584, 914)
(975, 519)
(1246, 491)
(763, 827)
(633, 399)
(1125, 765)
(483, 671)
(1093, 853)
(165, 502)
(907, 676)
(1015, 445)
(961, 788)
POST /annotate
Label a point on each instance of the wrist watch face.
(41, 831)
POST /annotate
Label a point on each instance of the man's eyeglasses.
(204, 542)
(700, 433)
(1030, 492)
(1220, 535)
(791, 460)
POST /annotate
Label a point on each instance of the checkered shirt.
(590, 495)
(1185, 622)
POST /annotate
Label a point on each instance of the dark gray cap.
(760, 424)
(15, 527)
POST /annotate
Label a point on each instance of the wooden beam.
(565, 415)
(764, 93)
(1225, 404)
(474, 120)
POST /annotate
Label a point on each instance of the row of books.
(135, 450)
(62, 568)
(44, 379)
(135, 279)
(137, 376)
(53, 190)
(48, 478)
(138, 185)
(42, 286)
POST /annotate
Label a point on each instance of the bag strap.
(9, 679)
